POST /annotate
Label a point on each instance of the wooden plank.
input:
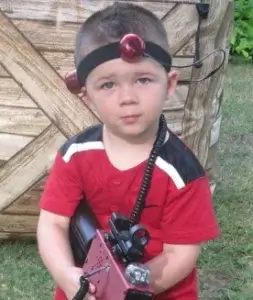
(12, 94)
(188, 49)
(41, 81)
(197, 117)
(62, 62)
(22, 121)
(184, 73)
(18, 223)
(173, 121)
(27, 203)
(181, 26)
(3, 73)
(44, 36)
(33, 161)
(2, 162)
(174, 109)
(76, 11)
(177, 101)
(11, 144)
(18, 235)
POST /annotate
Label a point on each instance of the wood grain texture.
(197, 116)
(188, 49)
(177, 100)
(3, 72)
(22, 121)
(181, 26)
(62, 62)
(174, 109)
(184, 73)
(41, 81)
(11, 94)
(14, 236)
(11, 144)
(33, 162)
(45, 36)
(59, 11)
(2, 162)
(27, 203)
(18, 223)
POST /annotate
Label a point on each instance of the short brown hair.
(113, 22)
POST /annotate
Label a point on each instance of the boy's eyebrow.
(109, 76)
(137, 73)
(145, 73)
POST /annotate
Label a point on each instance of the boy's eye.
(107, 85)
(144, 80)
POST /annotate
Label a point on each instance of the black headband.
(131, 48)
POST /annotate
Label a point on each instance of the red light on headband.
(72, 82)
(132, 47)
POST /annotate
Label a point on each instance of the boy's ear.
(172, 81)
(84, 95)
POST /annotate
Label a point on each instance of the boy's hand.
(72, 284)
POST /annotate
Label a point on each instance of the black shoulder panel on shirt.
(90, 134)
(176, 153)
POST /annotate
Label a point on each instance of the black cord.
(135, 216)
(203, 11)
(83, 290)
(203, 58)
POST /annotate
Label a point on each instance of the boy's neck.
(134, 151)
(147, 139)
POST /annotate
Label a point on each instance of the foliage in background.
(242, 37)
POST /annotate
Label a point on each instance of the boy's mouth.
(130, 119)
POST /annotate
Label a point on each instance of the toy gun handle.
(83, 290)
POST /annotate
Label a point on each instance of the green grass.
(226, 265)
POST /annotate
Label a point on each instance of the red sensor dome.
(132, 47)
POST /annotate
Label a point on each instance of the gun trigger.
(91, 273)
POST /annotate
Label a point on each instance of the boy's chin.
(134, 133)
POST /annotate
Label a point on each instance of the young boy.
(106, 162)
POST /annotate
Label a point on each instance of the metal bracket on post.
(203, 10)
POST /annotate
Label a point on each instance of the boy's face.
(129, 97)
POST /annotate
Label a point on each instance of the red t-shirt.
(178, 208)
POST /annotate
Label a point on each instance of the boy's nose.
(127, 96)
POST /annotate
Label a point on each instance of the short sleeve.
(188, 216)
(63, 189)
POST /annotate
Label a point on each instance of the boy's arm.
(62, 193)
(174, 264)
(54, 249)
(188, 221)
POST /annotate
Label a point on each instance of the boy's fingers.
(90, 297)
(92, 288)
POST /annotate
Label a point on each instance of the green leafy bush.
(242, 37)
